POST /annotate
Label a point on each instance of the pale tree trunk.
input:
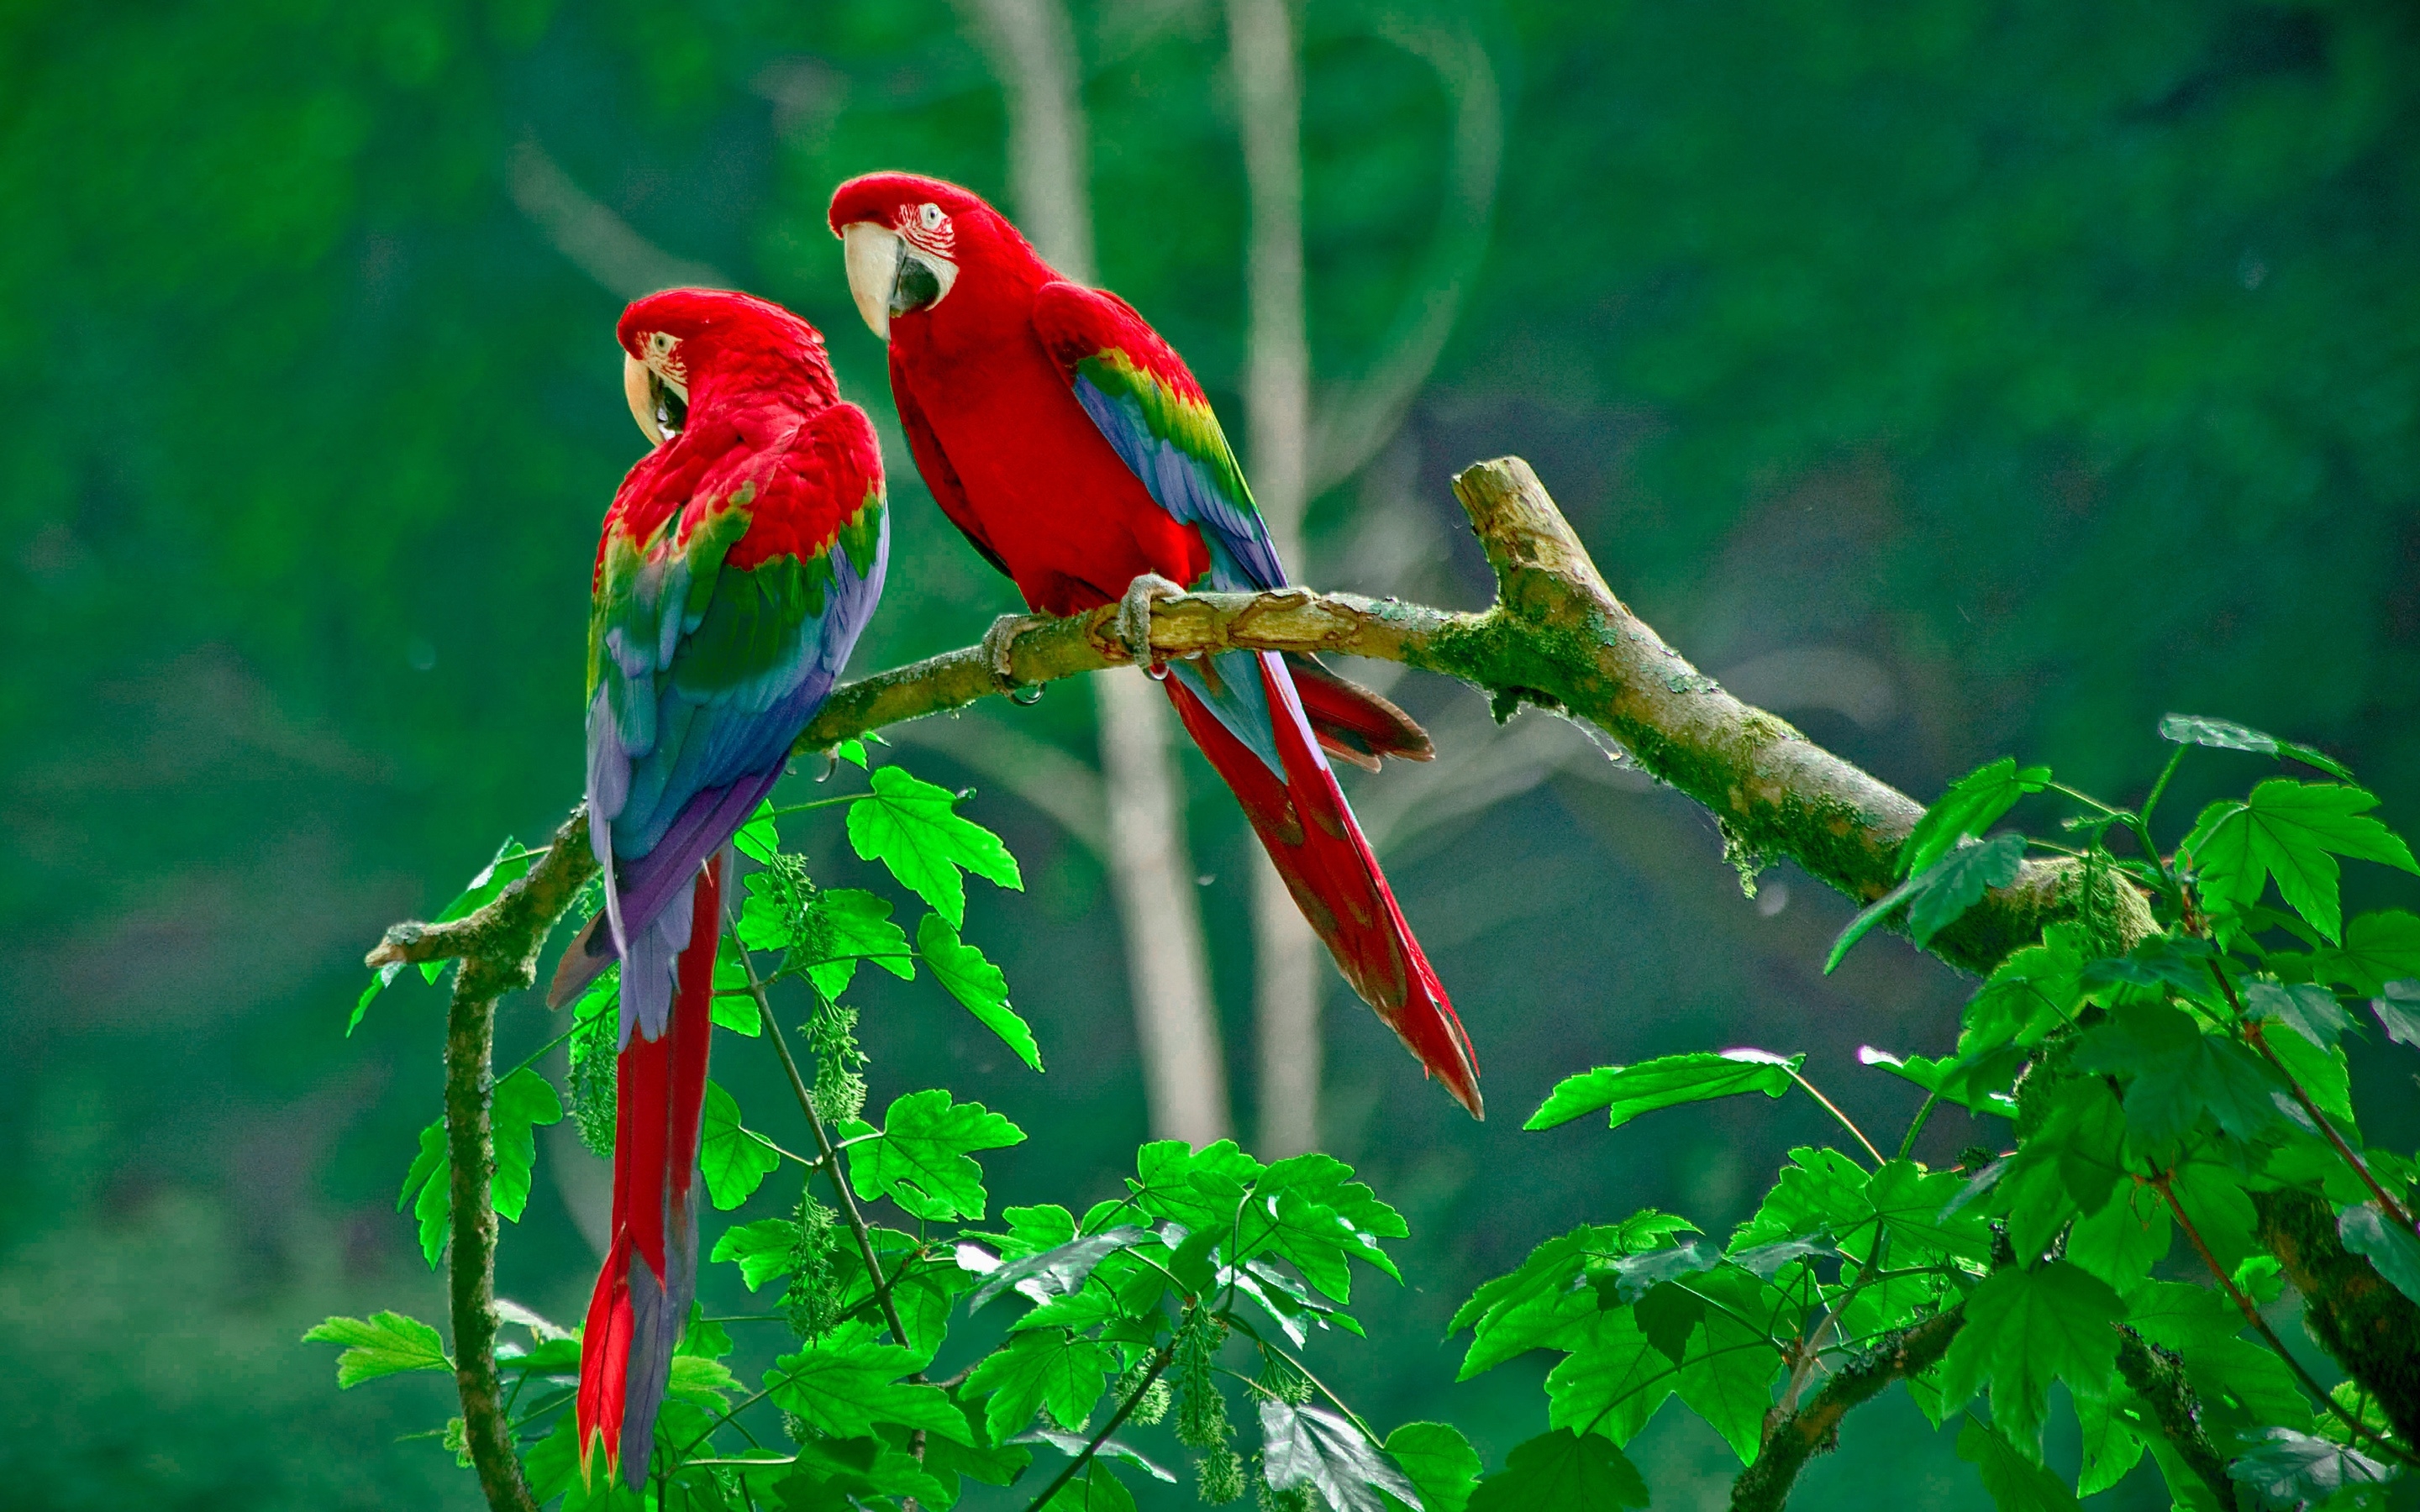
(1289, 971)
(1031, 48)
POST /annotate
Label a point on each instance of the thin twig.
(2252, 1315)
(831, 1161)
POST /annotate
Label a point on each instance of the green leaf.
(429, 1191)
(2179, 1072)
(1072, 1444)
(511, 864)
(1626, 1091)
(2124, 1240)
(845, 1471)
(1958, 881)
(1057, 1271)
(1979, 1084)
(377, 984)
(1613, 1381)
(519, 1103)
(1728, 1380)
(1973, 805)
(2310, 1011)
(913, 828)
(1442, 1465)
(851, 752)
(2032, 993)
(2391, 1247)
(2112, 1448)
(976, 982)
(2397, 1007)
(2026, 1328)
(998, 1465)
(2290, 1470)
(846, 925)
(758, 839)
(382, 1344)
(2378, 949)
(2014, 1480)
(1042, 1368)
(735, 1001)
(1312, 1447)
(2291, 832)
(1565, 1471)
(2200, 730)
(1094, 1490)
(923, 1160)
(1938, 895)
(761, 1249)
(735, 1160)
(1197, 1189)
(846, 1384)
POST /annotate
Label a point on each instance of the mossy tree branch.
(1556, 636)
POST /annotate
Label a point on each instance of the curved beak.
(658, 404)
(888, 278)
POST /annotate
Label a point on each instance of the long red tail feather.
(1311, 837)
(643, 1293)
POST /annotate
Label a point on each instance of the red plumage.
(1077, 453)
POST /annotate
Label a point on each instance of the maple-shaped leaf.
(922, 1157)
(974, 981)
(845, 1384)
(2291, 832)
(382, 1344)
(1562, 1470)
(734, 1160)
(2026, 1328)
(914, 828)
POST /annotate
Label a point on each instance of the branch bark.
(1556, 637)
(1907, 1353)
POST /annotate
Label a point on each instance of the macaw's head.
(909, 239)
(688, 347)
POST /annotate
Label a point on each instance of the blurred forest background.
(1955, 378)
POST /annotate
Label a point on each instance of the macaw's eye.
(931, 216)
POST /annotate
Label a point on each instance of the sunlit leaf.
(758, 839)
(914, 828)
(429, 1191)
(846, 1384)
(1440, 1463)
(1626, 1091)
(382, 1344)
(922, 1158)
(1973, 804)
(511, 863)
(761, 1249)
(734, 1160)
(974, 981)
(2291, 832)
(519, 1103)
(1311, 1446)
(1042, 1368)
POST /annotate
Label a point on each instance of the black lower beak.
(916, 285)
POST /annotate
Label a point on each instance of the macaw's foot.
(1000, 647)
(1134, 617)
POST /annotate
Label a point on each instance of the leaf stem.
(2252, 1316)
(1907, 1146)
(831, 1155)
(2253, 1031)
(1092, 1445)
(1280, 1352)
(1834, 1109)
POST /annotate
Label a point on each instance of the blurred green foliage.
(2059, 365)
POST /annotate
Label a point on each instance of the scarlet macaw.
(739, 560)
(1077, 454)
